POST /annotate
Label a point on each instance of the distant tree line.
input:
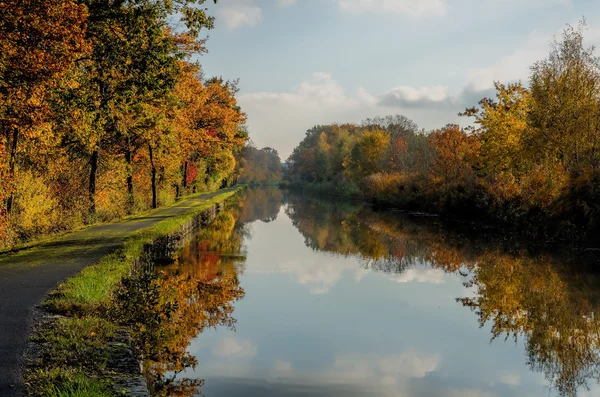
(532, 156)
(259, 166)
(103, 113)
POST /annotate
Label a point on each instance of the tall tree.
(39, 40)
(565, 89)
(209, 123)
(504, 132)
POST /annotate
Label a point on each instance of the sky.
(307, 62)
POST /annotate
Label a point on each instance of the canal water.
(289, 296)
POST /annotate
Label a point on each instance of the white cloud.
(239, 15)
(415, 96)
(280, 119)
(312, 94)
(233, 347)
(286, 3)
(511, 379)
(516, 65)
(530, 3)
(413, 8)
(512, 67)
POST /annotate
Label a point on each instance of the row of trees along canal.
(103, 112)
(532, 157)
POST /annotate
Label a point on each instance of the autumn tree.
(503, 130)
(565, 111)
(39, 40)
(209, 125)
(133, 64)
(368, 154)
(456, 153)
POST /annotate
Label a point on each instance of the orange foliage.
(456, 153)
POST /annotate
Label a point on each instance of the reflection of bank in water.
(176, 293)
(551, 301)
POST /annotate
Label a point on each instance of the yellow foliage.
(34, 205)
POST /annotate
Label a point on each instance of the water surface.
(293, 296)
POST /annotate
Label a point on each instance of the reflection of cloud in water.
(407, 374)
(321, 273)
(282, 367)
(419, 275)
(351, 374)
(388, 369)
(234, 347)
(511, 379)
(594, 391)
(248, 387)
(470, 392)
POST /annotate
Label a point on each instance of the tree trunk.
(11, 168)
(153, 171)
(92, 185)
(129, 160)
(185, 171)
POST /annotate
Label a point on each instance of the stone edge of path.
(126, 369)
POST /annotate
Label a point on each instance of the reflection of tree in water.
(196, 289)
(260, 204)
(530, 298)
(168, 307)
(541, 298)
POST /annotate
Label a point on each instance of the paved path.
(28, 276)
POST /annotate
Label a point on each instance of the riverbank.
(27, 276)
(467, 212)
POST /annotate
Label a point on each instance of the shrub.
(34, 205)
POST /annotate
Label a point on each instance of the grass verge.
(71, 352)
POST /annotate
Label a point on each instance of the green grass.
(73, 340)
(69, 383)
(73, 349)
